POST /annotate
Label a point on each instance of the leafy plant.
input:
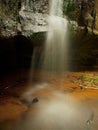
(88, 80)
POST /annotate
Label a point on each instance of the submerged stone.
(35, 100)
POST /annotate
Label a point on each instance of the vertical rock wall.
(29, 17)
(97, 14)
(33, 15)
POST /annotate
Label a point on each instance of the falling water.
(56, 43)
(56, 46)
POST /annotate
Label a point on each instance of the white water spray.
(56, 43)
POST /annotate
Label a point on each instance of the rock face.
(8, 27)
(31, 22)
(97, 14)
(31, 17)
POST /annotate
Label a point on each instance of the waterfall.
(55, 55)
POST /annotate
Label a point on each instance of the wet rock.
(35, 100)
(81, 87)
(8, 27)
(31, 17)
(31, 22)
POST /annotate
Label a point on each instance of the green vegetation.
(69, 9)
(88, 80)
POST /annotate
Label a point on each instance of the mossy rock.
(38, 38)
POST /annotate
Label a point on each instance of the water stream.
(54, 56)
(56, 43)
